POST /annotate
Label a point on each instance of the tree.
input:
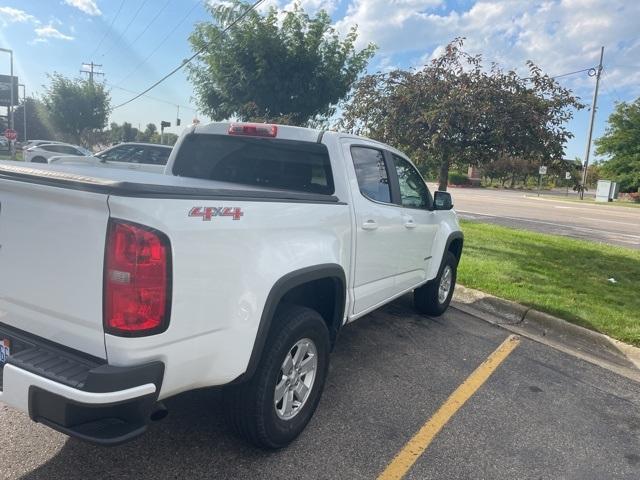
(453, 112)
(38, 123)
(169, 138)
(122, 133)
(283, 66)
(76, 107)
(621, 143)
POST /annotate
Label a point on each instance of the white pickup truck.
(237, 267)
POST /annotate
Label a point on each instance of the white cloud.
(313, 6)
(14, 15)
(49, 31)
(559, 35)
(90, 7)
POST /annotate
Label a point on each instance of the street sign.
(10, 134)
(567, 176)
(542, 170)
(5, 90)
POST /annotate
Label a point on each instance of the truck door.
(419, 224)
(378, 227)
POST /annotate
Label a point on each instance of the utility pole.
(10, 109)
(593, 116)
(24, 111)
(91, 72)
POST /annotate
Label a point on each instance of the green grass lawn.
(558, 275)
(6, 156)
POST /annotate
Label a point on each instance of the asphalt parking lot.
(540, 414)
(550, 214)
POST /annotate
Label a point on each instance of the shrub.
(458, 178)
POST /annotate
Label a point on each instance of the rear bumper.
(80, 396)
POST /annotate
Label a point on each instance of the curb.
(587, 344)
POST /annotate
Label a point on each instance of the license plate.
(4, 351)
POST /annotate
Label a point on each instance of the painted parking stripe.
(415, 447)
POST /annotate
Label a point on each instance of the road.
(550, 214)
(541, 414)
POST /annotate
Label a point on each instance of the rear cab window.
(270, 163)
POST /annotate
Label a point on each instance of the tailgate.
(51, 263)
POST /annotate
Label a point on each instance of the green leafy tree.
(150, 134)
(169, 139)
(454, 112)
(38, 123)
(76, 107)
(122, 133)
(621, 143)
(284, 66)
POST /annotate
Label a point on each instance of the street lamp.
(24, 111)
(10, 52)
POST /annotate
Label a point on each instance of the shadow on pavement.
(194, 441)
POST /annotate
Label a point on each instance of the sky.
(136, 42)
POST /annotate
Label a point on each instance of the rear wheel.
(434, 297)
(274, 407)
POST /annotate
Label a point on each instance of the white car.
(34, 143)
(44, 152)
(146, 157)
(237, 267)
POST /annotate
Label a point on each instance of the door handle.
(370, 225)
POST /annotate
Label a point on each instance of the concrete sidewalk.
(581, 342)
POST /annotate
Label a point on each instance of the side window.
(371, 172)
(116, 154)
(68, 150)
(413, 191)
(51, 148)
(138, 155)
(157, 156)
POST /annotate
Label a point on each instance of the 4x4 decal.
(207, 213)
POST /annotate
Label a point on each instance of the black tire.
(425, 298)
(38, 160)
(250, 407)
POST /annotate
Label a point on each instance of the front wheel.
(434, 297)
(274, 407)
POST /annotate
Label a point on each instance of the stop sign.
(10, 134)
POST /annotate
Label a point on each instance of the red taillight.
(137, 280)
(253, 129)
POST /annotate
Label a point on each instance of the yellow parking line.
(415, 447)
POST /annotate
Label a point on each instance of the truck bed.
(144, 184)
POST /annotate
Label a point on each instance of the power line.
(162, 42)
(126, 29)
(155, 17)
(565, 74)
(153, 98)
(185, 62)
(109, 29)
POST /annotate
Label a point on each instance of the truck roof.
(288, 132)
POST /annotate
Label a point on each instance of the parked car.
(34, 143)
(148, 157)
(4, 143)
(44, 152)
(237, 268)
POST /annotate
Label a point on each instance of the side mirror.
(442, 201)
